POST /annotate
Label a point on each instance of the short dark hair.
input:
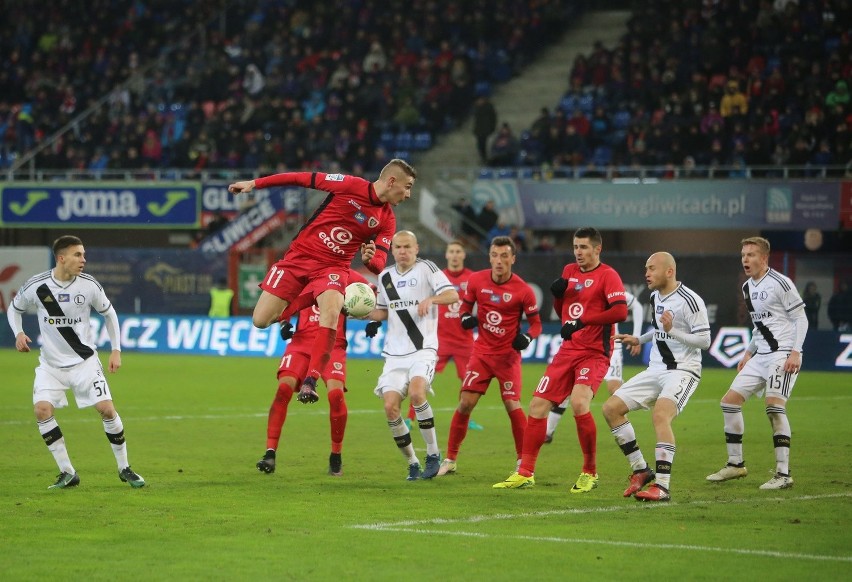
(590, 233)
(404, 166)
(504, 241)
(65, 241)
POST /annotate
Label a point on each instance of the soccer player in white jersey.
(409, 294)
(681, 331)
(614, 376)
(771, 363)
(63, 299)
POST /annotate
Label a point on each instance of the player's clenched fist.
(241, 187)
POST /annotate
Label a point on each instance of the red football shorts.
(505, 367)
(288, 277)
(460, 357)
(569, 368)
(295, 364)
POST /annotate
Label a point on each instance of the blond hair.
(757, 241)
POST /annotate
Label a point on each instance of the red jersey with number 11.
(350, 215)
(590, 293)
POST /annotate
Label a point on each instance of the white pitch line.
(658, 546)
(411, 526)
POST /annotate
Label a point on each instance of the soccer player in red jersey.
(454, 342)
(356, 215)
(589, 298)
(291, 371)
(502, 298)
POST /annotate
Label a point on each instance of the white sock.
(402, 438)
(114, 430)
(665, 453)
(734, 429)
(55, 442)
(625, 437)
(426, 421)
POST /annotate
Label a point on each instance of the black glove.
(468, 321)
(570, 327)
(286, 330)
(558, 287)
(372, 328)
(521, 341)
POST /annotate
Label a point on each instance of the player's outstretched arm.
(243, 187)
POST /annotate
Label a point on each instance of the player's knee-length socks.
(114, 430)
(337, 415)
(55, 442)
(625, 438)
(426, 422)
(665, 453)
(533, 440)
(458, 430)
(277, 415)
(321, 350)
(402, 438)
(519, 425)
(734, 429)
(587, 432)
(780, 437)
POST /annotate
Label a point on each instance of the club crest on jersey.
(507, 386)
(589, 282)
(360, 217)
(764, 295)
(333, 277)
(373, 222)
(79, 299)
(584, 371)
(337, 366)
(507, 297)
(64, 298)
(334, 177)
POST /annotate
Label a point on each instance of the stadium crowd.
(703, 85)
(269, 84)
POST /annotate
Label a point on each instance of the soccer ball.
(359, 299)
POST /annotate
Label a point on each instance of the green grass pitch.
(196, 426)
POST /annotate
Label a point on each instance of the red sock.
(533, 440)
(458, 430)
(519, 425)
(321, 351)
(298, 304)
(277, 415)
(337, 415)
(587, 432)
(411, 415)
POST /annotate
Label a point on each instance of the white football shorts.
(642, 390)
(399, 370)
(764, 373)
(86, 380)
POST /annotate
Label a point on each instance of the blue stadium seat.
(404, 140)
(422, 141)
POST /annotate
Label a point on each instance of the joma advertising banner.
(100, 204)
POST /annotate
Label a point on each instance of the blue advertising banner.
(157, 280)
(101, 205)
(236, 336)
(709, 204)
(266, 211)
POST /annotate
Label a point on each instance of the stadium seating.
(257, 79)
